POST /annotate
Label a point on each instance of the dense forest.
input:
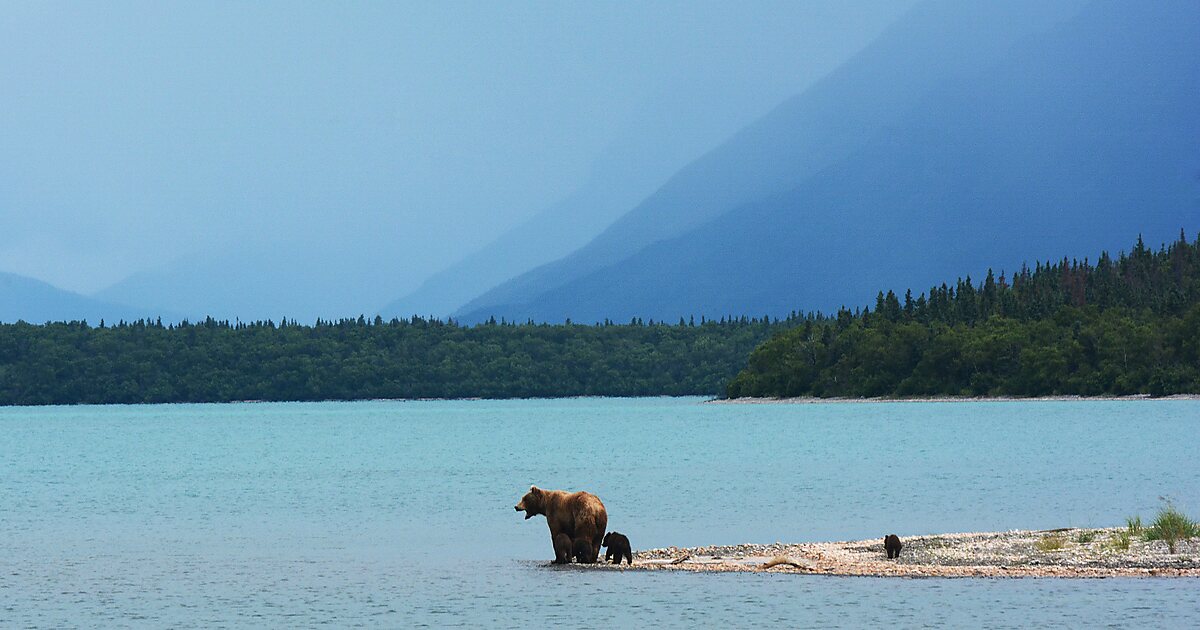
(1129, 325)
(212, 361)
(1116, 326)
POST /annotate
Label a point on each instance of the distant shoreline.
(706, 399)
(810, 400)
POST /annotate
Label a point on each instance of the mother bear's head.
(532, 503)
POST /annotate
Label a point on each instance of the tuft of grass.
(1051, 543)
(1171, 526)
(1134, 525)
(1085, 536)
(1120, 540)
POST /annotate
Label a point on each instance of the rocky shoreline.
(810, 400)
(1070, 553)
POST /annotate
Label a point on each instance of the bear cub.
(562, 549)
(582, 550)
(892, 544)
(618, 547)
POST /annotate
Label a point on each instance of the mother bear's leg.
(601, 527)
(555, 530)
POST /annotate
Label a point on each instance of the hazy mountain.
(268, 281)
(551, 234)
(670, 128)
(935, 42)
(649, 149)
(1079, 138)
(36, 302)
(394, 140)
(626, 172)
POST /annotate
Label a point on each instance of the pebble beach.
(810, 400)
(1066, 553)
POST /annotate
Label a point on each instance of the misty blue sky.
(402, 136)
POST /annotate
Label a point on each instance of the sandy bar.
(1084, 553)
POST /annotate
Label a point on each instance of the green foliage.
(1171, 526)
(1085, 536)
(213, 361)
(1133, 524)
(1124, 326)
(1051, 543)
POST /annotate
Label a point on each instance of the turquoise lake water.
(394, 514)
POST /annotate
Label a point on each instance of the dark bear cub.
(618, 547)
(582, 550)
(562, 549)
(891, 543)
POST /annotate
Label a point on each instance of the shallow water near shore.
(400, 513)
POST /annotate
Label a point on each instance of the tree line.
(219, 361)
(1129, 325)
(1123, 325)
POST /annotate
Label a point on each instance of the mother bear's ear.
(535, 489)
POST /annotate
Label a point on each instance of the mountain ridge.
(1077, 138)
(34, 301)
(802, 135)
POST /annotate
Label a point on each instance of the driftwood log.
(778, 560)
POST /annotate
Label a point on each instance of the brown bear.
(579, 515)
(618, 547)
(562, 549)
(892, 544)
